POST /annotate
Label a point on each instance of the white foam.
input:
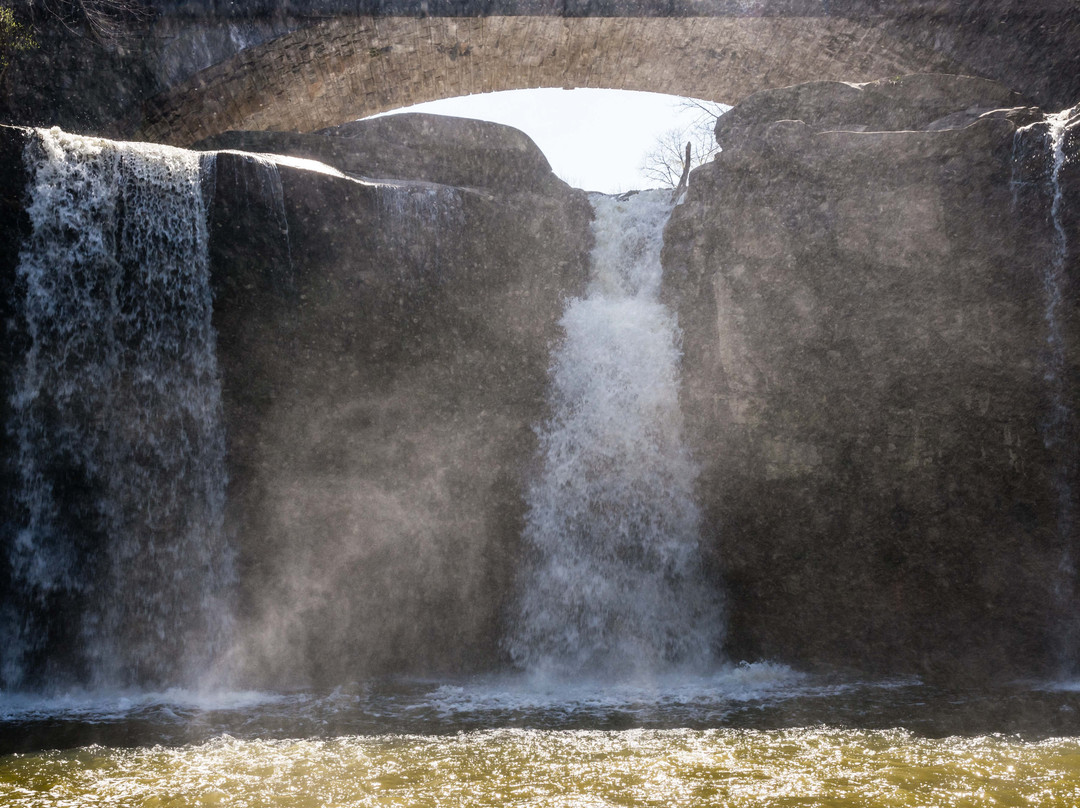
(539, 693)
(612, 578)
(120, 391)
(98, 705)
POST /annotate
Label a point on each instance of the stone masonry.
(351, 67)
(189, 69)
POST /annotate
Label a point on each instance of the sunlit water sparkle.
(746, 735)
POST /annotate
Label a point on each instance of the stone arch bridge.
(216, 65)
(349, 64)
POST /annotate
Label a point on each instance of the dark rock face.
(14, 226)
(929, 102)
(384, 360)
(860, 277)
(1029, 46)
(92, 84)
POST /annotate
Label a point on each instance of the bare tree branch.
(685, 173)
(663, 164)
(710, 110)
(104, 20)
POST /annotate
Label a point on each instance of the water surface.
(750, 735)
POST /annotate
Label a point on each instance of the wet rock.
(384, 351)
(907, 103)
(860, 277)
(14, 227)
(415, 146)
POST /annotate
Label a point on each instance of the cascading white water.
(1056, 428)
(262, 185)
(613, 580)
(417, 203)
(1053, 286)
(408, 209)
(1044, 144)
(117, 420)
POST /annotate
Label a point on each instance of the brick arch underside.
(349, 67)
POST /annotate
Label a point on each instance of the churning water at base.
(800, 767)
(120, 571)
(752, 736)
(613, 580)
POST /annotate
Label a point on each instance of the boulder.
(907, 103)
(862, 280)
(414, 146)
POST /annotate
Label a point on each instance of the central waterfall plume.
(613, 581)
(120, 570)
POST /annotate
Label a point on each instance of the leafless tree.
(104, 20)
(664, 162)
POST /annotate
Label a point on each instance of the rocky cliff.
(864, 281)
(876, 286)
(414, 146)
(383, 348)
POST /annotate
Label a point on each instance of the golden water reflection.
(524, 767)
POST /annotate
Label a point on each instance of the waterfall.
(1054, 279)
(413, 217)
(612, 581)
(120, 569)
(1057, 427)
(1057, 424)
(1040, 155)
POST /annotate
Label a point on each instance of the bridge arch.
(349, 67)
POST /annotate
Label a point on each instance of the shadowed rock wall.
(384, 361)
(413, 146)
(860, 276)
(14, 227)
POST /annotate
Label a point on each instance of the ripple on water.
(746, 735)
(525, 767)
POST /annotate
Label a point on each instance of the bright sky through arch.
(594, 139)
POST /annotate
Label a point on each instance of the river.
(747, 735)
